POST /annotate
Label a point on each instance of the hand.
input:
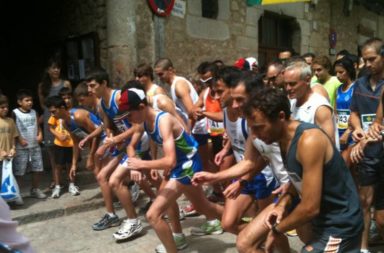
(62, 137)
(233, 190)
(358, 135)
(154, 174)
(203, 177)
(374, 131)
(72, 173)
(219, 157)
(136, 175)
(110, 141)
(11, 153)
(83, 142)
(274, 216)
(134, 163)
(282, 189)
(357, 152)
(23, 142)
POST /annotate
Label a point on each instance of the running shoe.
(208, 228)
(73, 189)
(56, 192)
(181, 243)
(106, 221)
(37, 193)
(128, 230)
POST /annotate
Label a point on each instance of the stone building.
(119, 34)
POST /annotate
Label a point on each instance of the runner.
(179, 163)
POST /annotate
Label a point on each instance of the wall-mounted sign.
(179, 8)
(161, 7)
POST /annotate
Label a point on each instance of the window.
(210, 8)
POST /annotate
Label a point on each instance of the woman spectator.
(50, 85)
(346, 74)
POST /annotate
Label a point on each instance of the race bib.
(342, 118)
(215, 128)
(366, 120)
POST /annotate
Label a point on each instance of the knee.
(228, 224)
(101, 178)
(113, 183)
(153, 216)
(366, 202)
(243, 245)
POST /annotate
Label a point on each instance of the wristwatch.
(243, 182)
(275, 230)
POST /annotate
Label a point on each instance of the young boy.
(8, 133)
(63, 145)
(27, 146)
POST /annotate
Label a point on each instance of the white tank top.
(272, 155)
(200, 126)
(237, 133)
(307, 112)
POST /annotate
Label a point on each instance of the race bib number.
(215, 128)
(342, 118)
(366, 120)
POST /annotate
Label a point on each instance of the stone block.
(194, 8)
(292, 9)
(251, 31)
(253, 15)
(305, 26)
(204, 28)
(248, 43)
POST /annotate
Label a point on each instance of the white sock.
(212, 222)
(111, 214)
(364, 251)
(131, 221)
(178, 234)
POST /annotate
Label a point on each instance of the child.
(62, 145)
(27, 146)
(8, 133)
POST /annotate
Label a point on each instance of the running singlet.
(237, 134)
(340, 213)
(80, 132)
(214, 128)
(112, 110)
(307, 111)
(343, 102)
(200, 126)
(187, 159)
(122, 124)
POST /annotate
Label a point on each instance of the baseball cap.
(252, 61)
(130, 99)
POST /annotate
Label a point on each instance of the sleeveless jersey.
(237, 133)
(340, 213)
(26, 123)
(343, 102)
(214, 128)
(200, 126)
(122, 124)
(307, 111)
(80, 132)
(186, 146)
(112, 111)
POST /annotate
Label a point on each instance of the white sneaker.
(73, 189)
(135, 192)
(128, 230)
(56, 192)
(37, 193)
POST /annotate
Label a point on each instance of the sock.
(178, 234)
(132, 221)
(212, 222)
(364, 251)
(111, 214)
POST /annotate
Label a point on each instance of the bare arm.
(182, 92)
(324, 119)
(311, 154)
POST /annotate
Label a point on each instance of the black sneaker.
(106, 222)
